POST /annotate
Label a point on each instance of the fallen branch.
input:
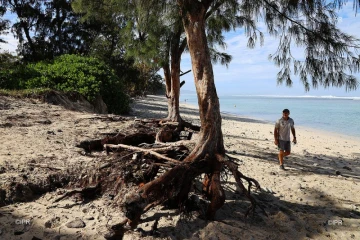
(108, 146)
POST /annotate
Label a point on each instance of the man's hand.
(294, 140)
(276, 142)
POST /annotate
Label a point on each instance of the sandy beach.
(316, 197)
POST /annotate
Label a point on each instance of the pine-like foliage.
(330, 56)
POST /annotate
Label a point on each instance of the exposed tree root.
(132, 175)
(238, 176)
(183, 125)
(166, 134)
(170, 186)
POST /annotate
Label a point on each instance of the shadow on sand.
(286, 220)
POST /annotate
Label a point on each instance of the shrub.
(86, 75)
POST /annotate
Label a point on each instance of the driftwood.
(120, 138)
(152, 152)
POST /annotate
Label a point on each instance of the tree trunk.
(211, 138)
(208, 156)
(172, 80)
(173, 101)
(210, 145)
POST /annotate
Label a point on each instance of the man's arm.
(276, 135)
(294, 134)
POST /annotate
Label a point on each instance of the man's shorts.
(284, 146)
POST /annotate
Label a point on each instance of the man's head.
(286, 113)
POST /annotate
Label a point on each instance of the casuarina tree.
(157, 39)
(330, 58)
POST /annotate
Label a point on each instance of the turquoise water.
(339, 115)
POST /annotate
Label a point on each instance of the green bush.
(86, 75)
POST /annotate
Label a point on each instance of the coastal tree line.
(154, 34)
(51, 34)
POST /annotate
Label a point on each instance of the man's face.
(286, 115)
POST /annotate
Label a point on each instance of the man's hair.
(286, 110)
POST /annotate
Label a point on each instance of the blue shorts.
(284, 146)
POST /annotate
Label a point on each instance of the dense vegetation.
(59, 50)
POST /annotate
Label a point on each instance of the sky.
(250, 72)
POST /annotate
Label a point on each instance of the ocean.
(328, 113)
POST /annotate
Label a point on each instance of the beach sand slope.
(316, 197)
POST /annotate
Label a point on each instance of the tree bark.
(210, 145)
(173, 101)
(173, 111)
(173, 76)
(211, 139)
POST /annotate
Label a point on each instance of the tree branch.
(152, 152)
(303, 27)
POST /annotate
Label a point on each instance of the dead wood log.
(120, 138)
(107, 147)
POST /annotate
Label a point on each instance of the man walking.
(282, 136)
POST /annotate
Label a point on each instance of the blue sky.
(250, 72)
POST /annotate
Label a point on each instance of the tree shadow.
(285, 220)
(310, 163)
(159, 110)
(288, 219)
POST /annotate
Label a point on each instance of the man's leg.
(286, 152)
(281, 157)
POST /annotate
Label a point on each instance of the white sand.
(299, 201)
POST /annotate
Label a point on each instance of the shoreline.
(305, 128)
